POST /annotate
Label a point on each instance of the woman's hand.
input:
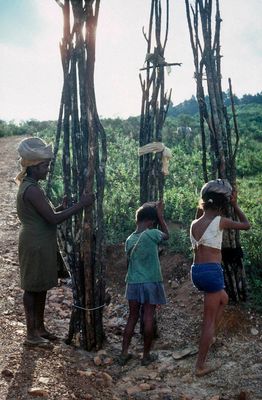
(233, 198)
(64, 202)
(87, 199)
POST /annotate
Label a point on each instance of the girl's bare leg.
(223, 303)
(134, 308)
(149, 310)
(212, 310)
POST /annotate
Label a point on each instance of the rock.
(101, 353)
(87, 373)
(37, 392)
(174, 285)
(44, 380)
(187, 378)
(145, 386)
(217, 397)
(132, 390)
(107, 378)
(97, 361)
(6, 373)
(254, 331)
(164, 391)
(108, 361)
(152, 375)
(189, 351)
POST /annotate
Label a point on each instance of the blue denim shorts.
(208, 277)
(151, 293)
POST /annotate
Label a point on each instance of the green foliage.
(122, 189)
(30, 127)
(179, 242)
(249, 159)
(250, 199)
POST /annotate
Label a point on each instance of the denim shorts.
(208, 277)
(151, 293)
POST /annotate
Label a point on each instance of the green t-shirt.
(144, 265)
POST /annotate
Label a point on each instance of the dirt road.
(66, 373)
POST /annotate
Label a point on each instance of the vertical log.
(154, 105)
(84, 159)
(207, 60)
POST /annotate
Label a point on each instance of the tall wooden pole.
(84, 159)
(215, 123)
(155, 103)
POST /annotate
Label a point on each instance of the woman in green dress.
(37, 237)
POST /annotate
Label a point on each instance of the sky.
(31, 73)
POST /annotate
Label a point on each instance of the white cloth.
(157, 147)
(32, 151)
(35, 149)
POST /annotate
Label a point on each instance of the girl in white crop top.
(212, 236)
(206, 234)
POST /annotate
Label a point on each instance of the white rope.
(88, 309)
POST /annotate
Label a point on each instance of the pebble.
(38, 392)
(254, 331)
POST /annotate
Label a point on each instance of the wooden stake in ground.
(84, 159)
(219, 139)
(155, 102)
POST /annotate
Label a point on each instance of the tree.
(215, 119)
(155, 104)
(84, 158)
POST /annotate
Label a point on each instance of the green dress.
(37, 245)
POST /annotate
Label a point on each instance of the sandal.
(149, 359)
(124, 358)
(37, 342)
(49, 336)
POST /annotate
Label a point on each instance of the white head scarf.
(32, 151)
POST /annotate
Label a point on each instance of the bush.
(179, 242)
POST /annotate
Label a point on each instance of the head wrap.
(32, 151)
(217, 186)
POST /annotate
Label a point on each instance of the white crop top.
(212, 237)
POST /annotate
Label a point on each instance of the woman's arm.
(37, 198)
(62, 206)
(242, 224)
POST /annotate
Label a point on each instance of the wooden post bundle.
(155, 103)
(154, 108)
(84, 159)
(214, 119)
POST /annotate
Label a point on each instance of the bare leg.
(33, 314)
(149, 310)
(223, 303)
(29, 300)
(39, 312)
(212, 303)
(134, 308)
